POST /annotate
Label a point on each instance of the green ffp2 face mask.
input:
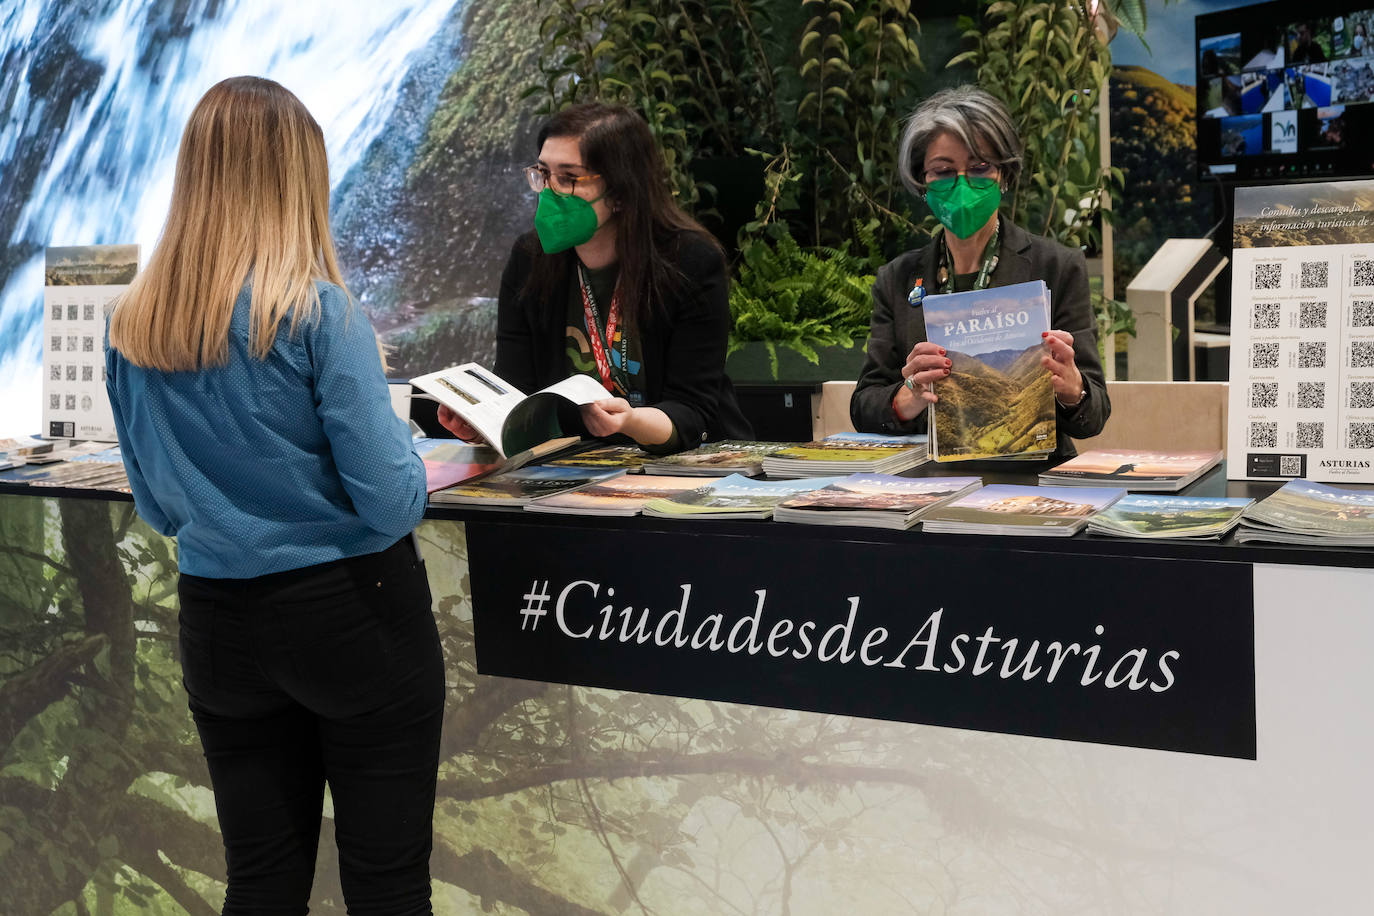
(563, 221)
(961, 207)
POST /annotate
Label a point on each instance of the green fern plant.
(785, 295)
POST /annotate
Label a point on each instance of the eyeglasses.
(540, 177)
(979, 175)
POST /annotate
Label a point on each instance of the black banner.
(1019, 639)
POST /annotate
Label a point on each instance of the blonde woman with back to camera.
(254, 420)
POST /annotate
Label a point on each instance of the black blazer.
(898, 326)
(683, 344)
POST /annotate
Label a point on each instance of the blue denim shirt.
(264, 465)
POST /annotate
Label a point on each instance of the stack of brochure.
(630, 458)
(14, 452)
(513, 489)
(874, 500)
(735, 497)
(1303, 512)
(1009, 509)
(622, 496)
(1198, 517)
(715, 459)
(847, 453)
(450, 461)
(1134, 470)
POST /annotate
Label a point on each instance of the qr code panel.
(1264, 434)
(1268, 276)
(1264, 395)
(1311, 435)
(1266, 316)
(1361, 435)
(1312, 354)
(1312, 395)
(1362, 313)
(1312, 315)
(1290, 465)
(1264, 355)
(1362, 395)
(1361, 354)
(1363, 274)
(1313, 274)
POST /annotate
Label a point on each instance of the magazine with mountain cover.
(631, 458)
(874, 500)
(619, 496)
(1021, 510)
(1133, 469)
(512, 489)
(847, 453)
(1150, 516)
(998, 401)
(715, 459)
(1305, 512)
(733, 497)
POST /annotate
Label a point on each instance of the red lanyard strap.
(593, 318)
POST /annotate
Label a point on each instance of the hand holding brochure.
(998, 401)
(511, 422)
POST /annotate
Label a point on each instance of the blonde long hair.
(251, 195)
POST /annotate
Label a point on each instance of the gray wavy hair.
(976, 117)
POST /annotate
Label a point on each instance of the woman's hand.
(925, 365)
(1064, 374)
(457, 425)
(645, 425)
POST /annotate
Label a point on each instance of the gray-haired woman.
(959, 153)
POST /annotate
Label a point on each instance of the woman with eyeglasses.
(618, 283)
(960, 153)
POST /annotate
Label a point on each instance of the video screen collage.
(1285, 90)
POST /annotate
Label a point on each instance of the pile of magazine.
(733, 497)
(874, 500)
(1020, 510)
(619, 496)
(1303, 512)
(1135, 470)
(513, 489)
(847, 453)
(1148, 516)
(715, 459)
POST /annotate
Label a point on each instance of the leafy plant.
(786, 295)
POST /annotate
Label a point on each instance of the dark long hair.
(616, 144)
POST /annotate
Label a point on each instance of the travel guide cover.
(630, 457)
(624, 495)
(1304, 512)
(874, 500)
(1021, 510)
(735, 496)
(510, 422)
(1134, 470)
(1149, 516)
(715, 459)
(997, 401)
(847, 453)
(513, 489)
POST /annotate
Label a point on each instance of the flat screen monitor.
(1285, 91)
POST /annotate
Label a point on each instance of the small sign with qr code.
(1271, 465)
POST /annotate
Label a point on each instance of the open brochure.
(507, 419)
(998, 400)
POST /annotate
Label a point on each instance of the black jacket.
(898, 326)
(683, 344)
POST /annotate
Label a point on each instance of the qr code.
(1362, 395)
(55, 372)
(1264, 394)
(88, 373)
(57, 313)
(88, 311)
(1268, 276)
(1290, 465)
(1266, 316)
(1313, 275)
(1363, 275)
(54, 402)
(1264, 434)
(1361, 436)
(71, 372)
(1361, 354)
(1264, 356)
(56, 344)
(1312, 395)
(71, 312)
(69, 402)
(1362, 313)
(1312, 315)
(1311, 435)
(1312, 354)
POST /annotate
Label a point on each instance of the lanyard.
(946, 277)
(593, 318)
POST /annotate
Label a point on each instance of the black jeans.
(331, 673)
